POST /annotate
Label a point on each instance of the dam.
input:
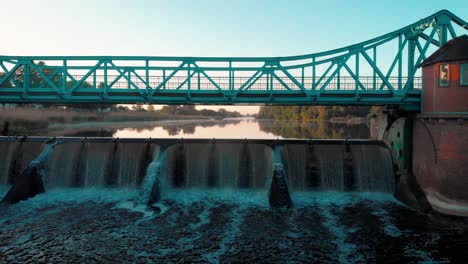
(341, 165)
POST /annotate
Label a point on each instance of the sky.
(203, 27)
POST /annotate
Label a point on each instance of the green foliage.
(309, 113)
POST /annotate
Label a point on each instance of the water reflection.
(225, 128)
(323, 130)
(251, 128)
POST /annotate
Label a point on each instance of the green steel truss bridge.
(380, 71)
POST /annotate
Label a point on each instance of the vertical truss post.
(164, 78)
(271, 81)
(105, 78)
(443, 22)
(64, 76)
(356, 82)
(302, 77)
(129, 75)
(338, 79)
(231, 79)
(400, 62)
(94, 80)
(411, 51)
(268, 81)
(26, 77)
(443, 35)
(147, 75)
(198, 80)
(189, 82)
(374, 75)
(313, 73)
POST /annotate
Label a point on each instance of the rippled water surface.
(210, 226)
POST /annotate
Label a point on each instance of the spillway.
(308, 165)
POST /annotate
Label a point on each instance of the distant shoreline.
(19, 120)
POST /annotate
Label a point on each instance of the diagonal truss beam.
(45, 77)
(93, 69)
(253, 79)
(202, 71)
(280, 81)
(186, 80)
(377, 70)
(294, 80)
(395, 60)
(428, 38)
(173, 73)
(354, 77)
(125, 77)
(145, 82)
(6, 72)
(9, 73)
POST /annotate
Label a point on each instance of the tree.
(6, 83)
(138, 107)
(150, 108)
(170, 109)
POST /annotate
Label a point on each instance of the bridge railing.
(180, 83)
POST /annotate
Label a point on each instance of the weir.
(156, 166)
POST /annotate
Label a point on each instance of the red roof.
(454, 50)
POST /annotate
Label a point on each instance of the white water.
(152, 177)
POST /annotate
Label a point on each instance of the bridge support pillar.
(430, 153)
(279, 191)
(395, 129)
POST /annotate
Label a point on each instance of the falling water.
(150, 191)
(211, 164)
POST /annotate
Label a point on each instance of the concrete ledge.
(445, 205)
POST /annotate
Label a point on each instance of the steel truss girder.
(219, 80)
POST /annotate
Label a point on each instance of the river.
(212, 128)
(219, 225)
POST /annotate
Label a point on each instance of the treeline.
(190, 110)
(324, 130)
(311, 113)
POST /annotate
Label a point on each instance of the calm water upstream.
(226, 128)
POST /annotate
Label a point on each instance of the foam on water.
(332, 203)
(243, 198)
(232, 231)
(56, 196)
(136, 207)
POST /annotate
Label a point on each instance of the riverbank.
(14, 121)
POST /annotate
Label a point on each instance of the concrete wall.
(440, 161)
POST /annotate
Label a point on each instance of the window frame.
(444, 85)
(463, 66)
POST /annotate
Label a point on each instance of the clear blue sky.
(203, 27)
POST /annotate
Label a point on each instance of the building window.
(444, 75)
(464, 74)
